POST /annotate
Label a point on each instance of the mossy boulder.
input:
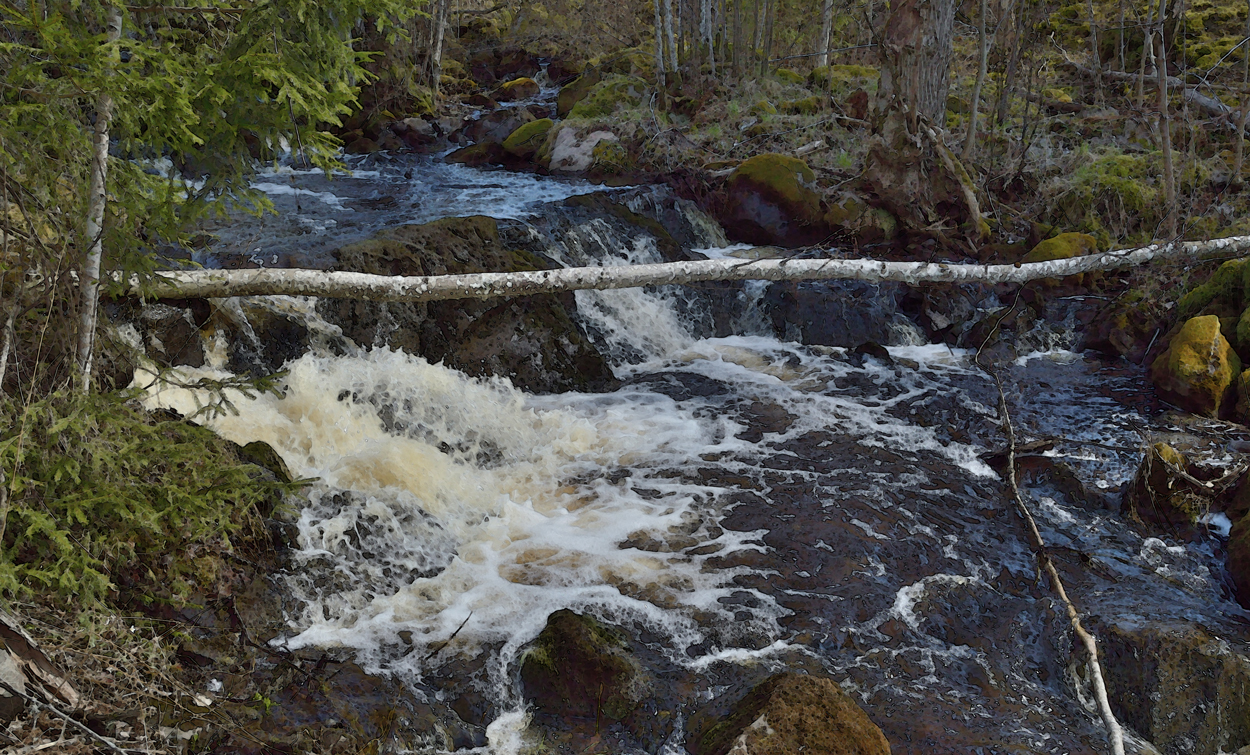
(604, 98)
(1062, 247)
(772, 200)
(527, 139)
(569, 149)
(1160, 495)
(581, 668)
(788, 713)
(533, 341)
(575, 91)
(477, 155)
(1125, 327)
(869, 223)
(841, 77)
(786, 76)
(1223, 294)
(805, 106)
(1198, 369)
(518, 89)
(763, 107)
(1239, 558)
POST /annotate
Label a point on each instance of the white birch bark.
(94, 231)
(826, 32)
(346, 285)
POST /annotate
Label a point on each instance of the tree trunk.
(1165, 130)
(1245, 110)
(909, 168)
(1147, 51)
(736, 52)
(275, 281)
(826, 31)
(659, 48)
(974, 107)
(436, 57)
(96, 201)
(1013, 64)
(668, 35)
(770, 20)
(1095, 58)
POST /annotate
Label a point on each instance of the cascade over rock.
(532, 340)
(1196, 372)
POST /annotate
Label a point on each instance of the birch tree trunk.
(1165, 130)
(975, 106)
(659, 48)
(1095, 59)
(826, 31)
(1147, 51)
(1245, 110)
(440, 31)
(275, 281)
(671, 40)
(96, 201)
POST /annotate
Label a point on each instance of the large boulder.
(789, 713)
(497, 126)
(575, 91)
(527, 139)
(603, 99)
(517, 89)
(1239, 558)
(1062, 247)
(568, 150)
(1198, 369)
(532, 340)
(581, 668)
(772, 200)
(1223, 294)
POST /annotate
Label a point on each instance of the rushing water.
(739, 502)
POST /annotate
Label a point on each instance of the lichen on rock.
(527, 139)
(1197, 370)
(517, 89)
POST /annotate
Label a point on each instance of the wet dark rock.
(834, 313)
(1124, 328)
(579, 668)
(787, 713)
(1177, 685)
(532, 340)
(266, 341)
(575, 91)
(563, 69)
(477, 155)
(361, 146)
(945, 310)
(171, 332)
(263, 455)
(516, 62)
(681, 386)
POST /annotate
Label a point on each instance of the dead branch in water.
(347, 285)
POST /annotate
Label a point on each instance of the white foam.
(276, 190)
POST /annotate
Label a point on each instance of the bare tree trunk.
(277, 281)
(909, 168)
(1165, 129)
(826, 31)
(1013, 63)
(1147, 51)
(96, 201)
(757, 33)
(668, 35)
(436, 57)
(659, 47)
(737, 43)
(1095, 59)
(1245, 110)
(770, 20)
(1120, 37)
(709, 34)
(975, 106)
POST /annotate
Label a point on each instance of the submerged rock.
(771, 200)
(789, 713)
(1198, 369)
(532, 340)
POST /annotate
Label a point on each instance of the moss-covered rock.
(1125, 328)
(841, 77)
(605, 97)
(580, 668)
(1197, 370)
(1111, 194)
(477, 155)
(786, 76)
(771, 200)
(527, 139)
(868, 223)
(517, 89)
(569, 149)
(789, 713)
(575, 91)
(1062, 247)
(763, 107)
(1223, 294)
(1160, 495)
(805, 106)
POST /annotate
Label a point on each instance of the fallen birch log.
(343, 285)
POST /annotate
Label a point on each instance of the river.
(741, 503)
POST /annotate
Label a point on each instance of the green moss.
(1198, 367)
(517, 89)
(1058, 95)
(762, 108)
(577, 89)
(786, 76)
(1225, 289)
(805, 106)
(1115, 193)
(612, 158)
(785, 179)
(527, 139)
(1062, 247)
(842, 77)
(605, 97)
